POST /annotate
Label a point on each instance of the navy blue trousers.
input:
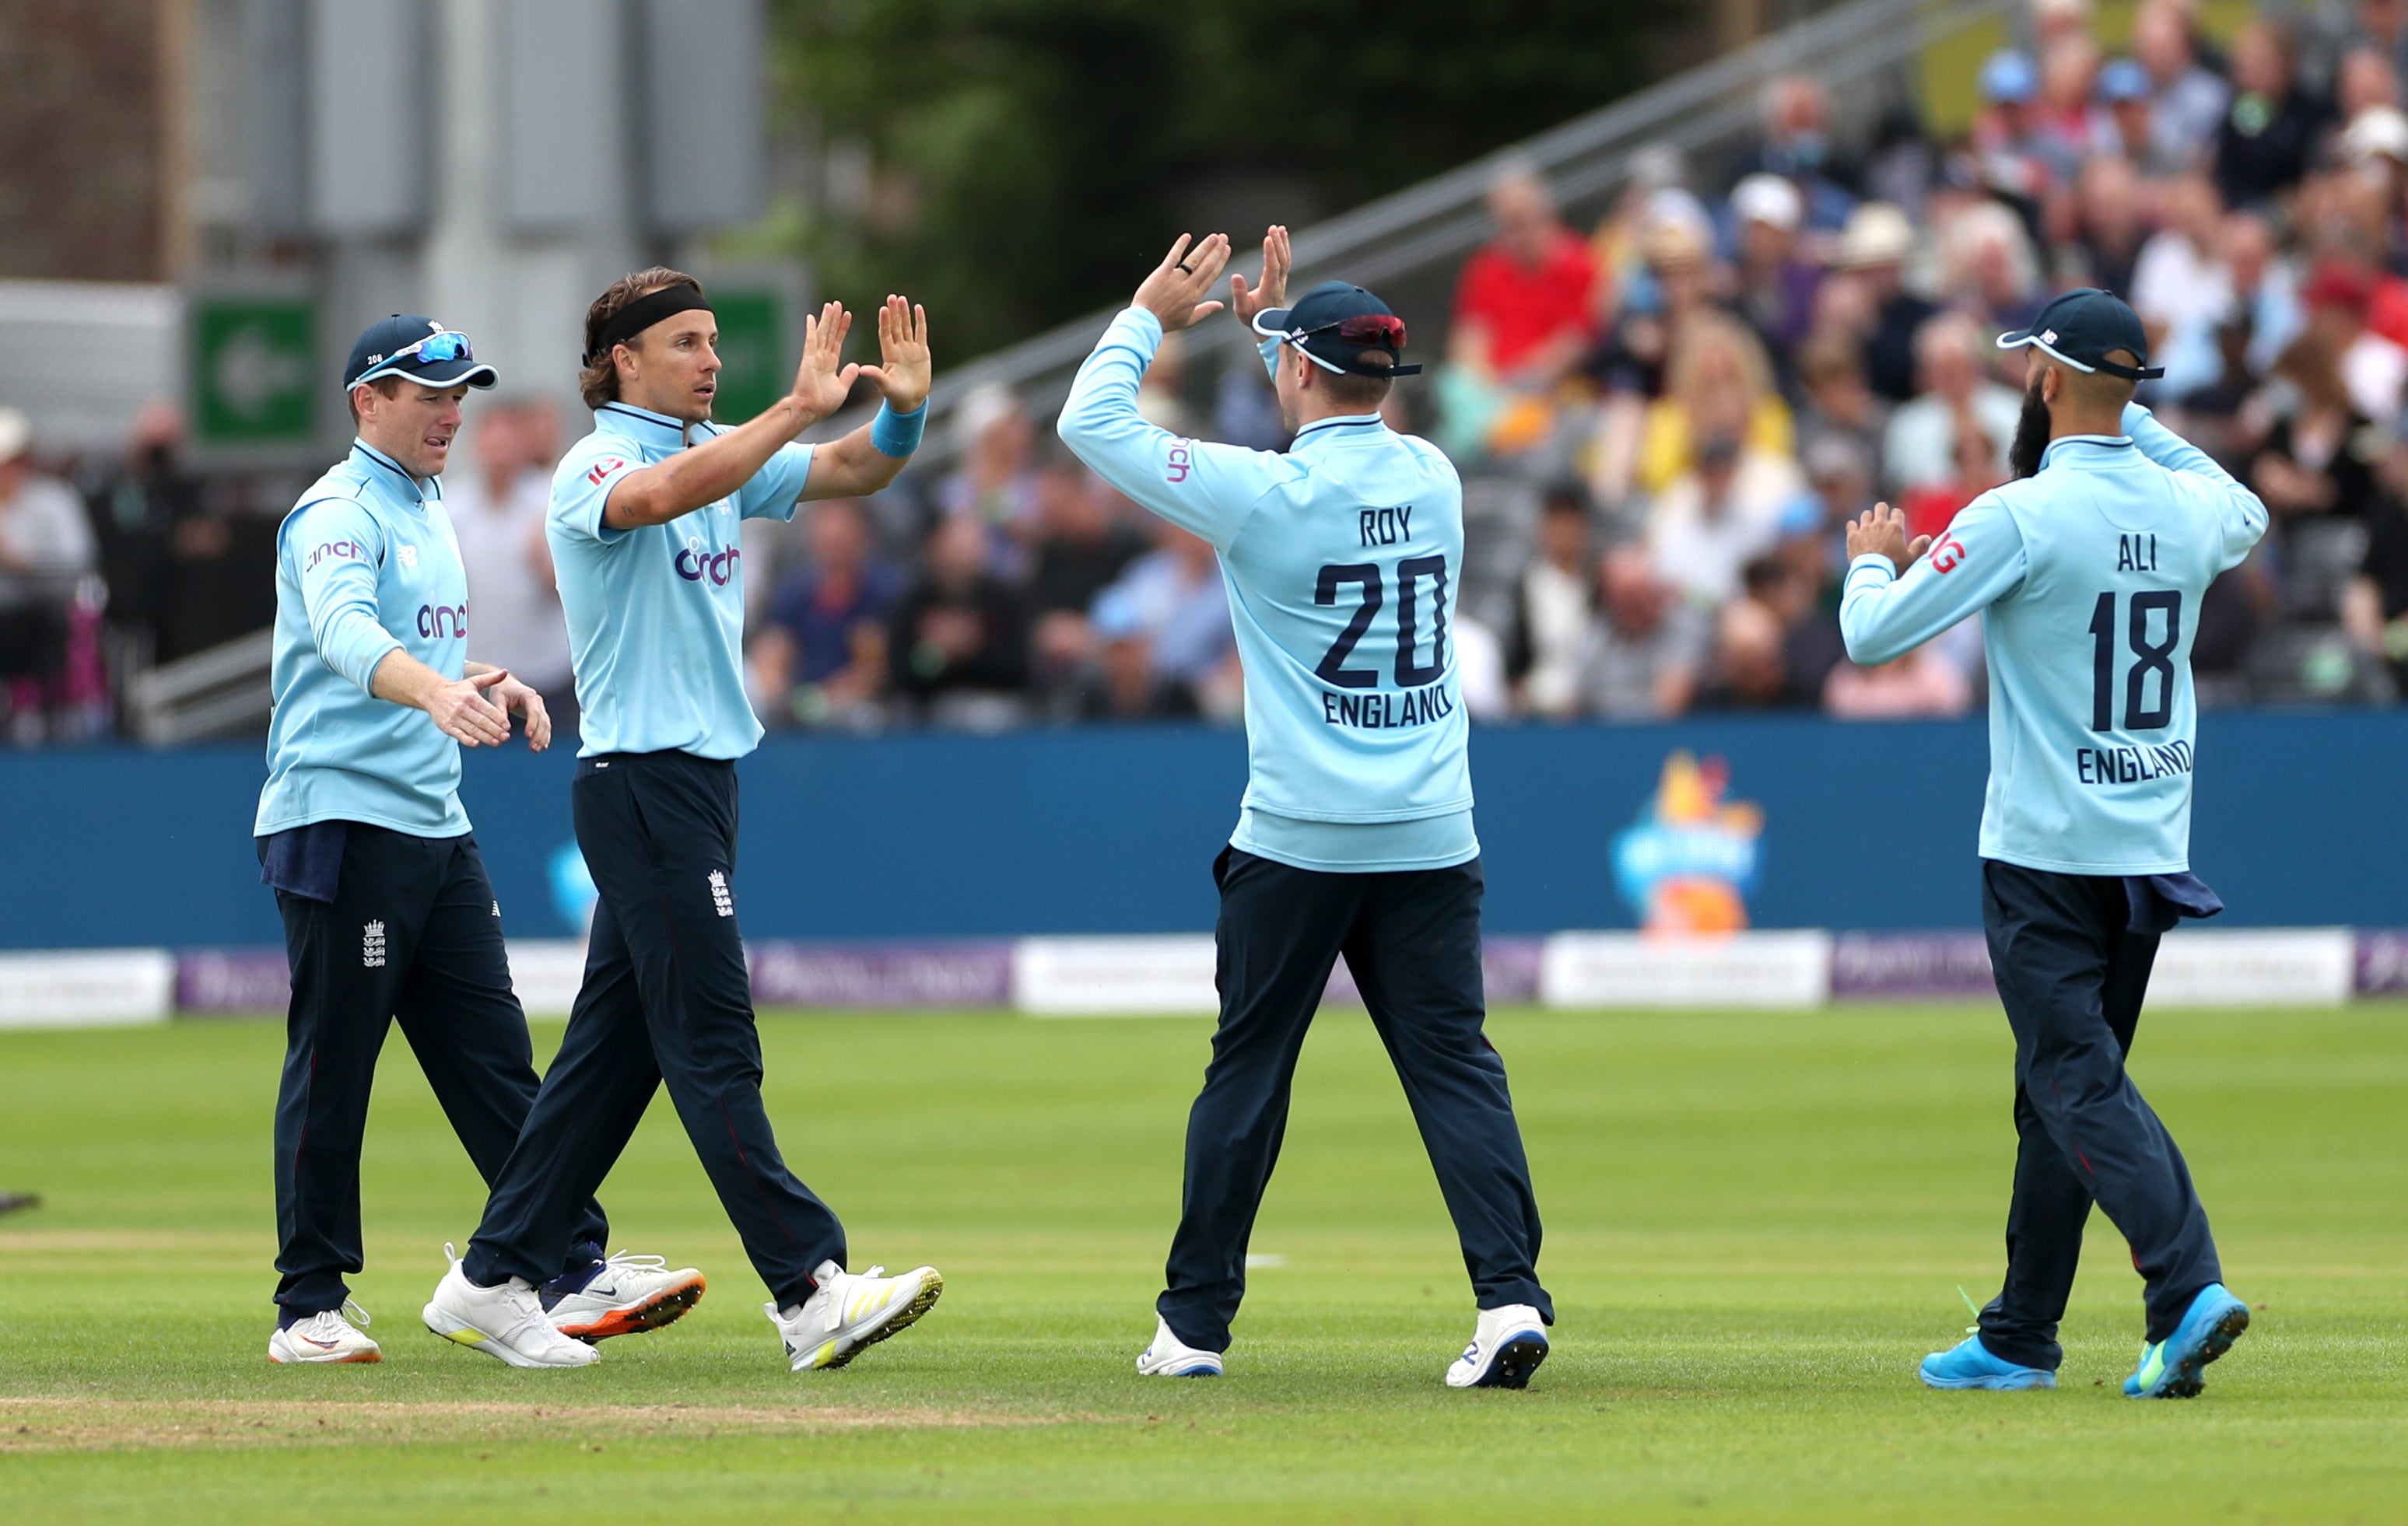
(1412, 942)
(2072, 975)
(667, 1001)
(414, 933)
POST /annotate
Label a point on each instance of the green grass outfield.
(1756, 1224)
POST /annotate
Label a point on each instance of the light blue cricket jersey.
(656, 614)
(2088, 575)
(365, 562)
(1341, 558)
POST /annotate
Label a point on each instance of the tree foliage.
(1033, 155)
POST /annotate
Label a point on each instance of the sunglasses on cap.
(1374, 331)
(435, 349)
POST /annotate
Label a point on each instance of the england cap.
(2081, 327)
(1337, 325)
(420, 349)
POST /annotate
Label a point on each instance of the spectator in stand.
(1795, 110)
(1873, 249)
(2374, 605)
(1919, 451)
(1838, 401)
(2262, 147)
(2009, 160)
(2377, 26)
(957, 641)
(1176, 596)
(2266, 293)
(1749, 670)
(994, 482)
(821, 658)
(1839, 484)
(1810, 643)
(1162, 391)
(2124, 96)
(46, 551)
(2320, 453)
(1645, 647)
(1776, 281)
(497, 514)
(1925, 682)
(2188, 102)
(2372, 368)
(1522, 309)
(2180, 288)
(1554, 601)
(1979, 465)
(1720, 515)
(2110, 227)
(2069, 124)
(1126, 682)
(1084, 543)
(2364, 81)
(1719, 380)
(135, 512)
(1988, 270)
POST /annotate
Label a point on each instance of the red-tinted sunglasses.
(1373, 330)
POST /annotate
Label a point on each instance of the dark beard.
(2031, 435)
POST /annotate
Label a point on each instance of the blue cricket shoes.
(1968, 1364)
(2172, 1369)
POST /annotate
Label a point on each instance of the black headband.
(645, 311)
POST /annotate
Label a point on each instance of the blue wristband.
(897, 434)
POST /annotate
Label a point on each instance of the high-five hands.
(1881, 530)
(1175, 292)
(904, 373)
(1271, 291)
(824, 381)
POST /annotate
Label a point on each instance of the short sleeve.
(580, 489)
(776, 488)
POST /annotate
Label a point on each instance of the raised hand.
(1881, 530)
(904, 372)
(823, 382)
(1175, 292)
(461, 712)
(1271, 291)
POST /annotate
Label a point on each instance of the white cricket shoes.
(1171, 1357)
(1507, 1347)
(627, 1296)
(325, 1337)
(850, 1312)
(507, 1321)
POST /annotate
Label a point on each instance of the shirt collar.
(1330, 428)
(2094, 442)
(643, 425)
(380, 468)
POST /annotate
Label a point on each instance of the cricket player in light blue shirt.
(1342, 558)
(645, 534)
(388, 912)
(2087, 571)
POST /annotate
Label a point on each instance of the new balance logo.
(409, 555)
(372, 947)
(720, 899)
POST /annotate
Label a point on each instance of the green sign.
(755, 369)
(254, 366)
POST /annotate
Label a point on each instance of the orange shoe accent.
(664, 1308)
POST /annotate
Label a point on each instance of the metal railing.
(1714, 105)
(221, 691)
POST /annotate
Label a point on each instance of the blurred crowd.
(1663, 422)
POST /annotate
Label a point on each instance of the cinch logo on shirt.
(439, 619)
(1182, 459)
(694, 564)
(349, 551)
(1946, 553)
(600, 469)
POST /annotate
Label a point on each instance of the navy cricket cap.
(2081, 327)
(1337, 325)
(420, 348)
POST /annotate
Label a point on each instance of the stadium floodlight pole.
(645, 529)
(387, 908)
(1344, 555)
(2088, 570)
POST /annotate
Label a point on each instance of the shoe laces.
(519, 1297)
(355, 1314)
(629, 1261)
(1972, 1308)
(832, 1296)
